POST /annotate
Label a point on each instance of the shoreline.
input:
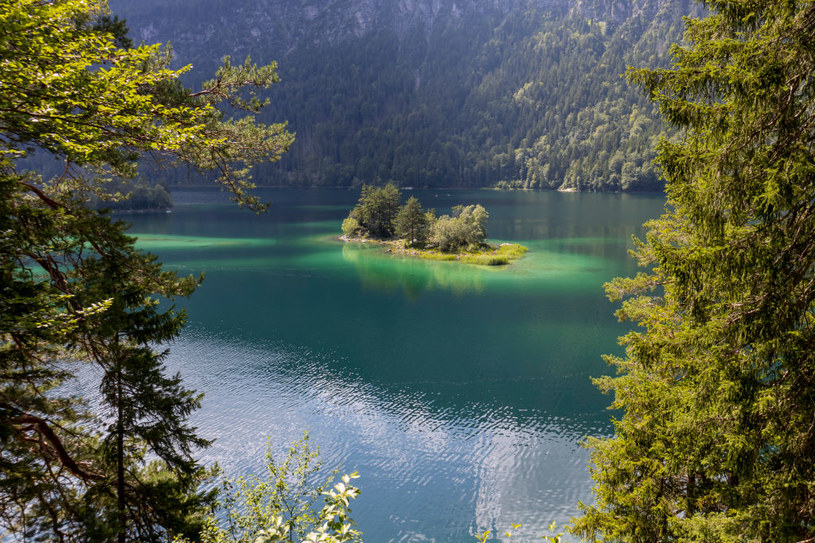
(492, 255)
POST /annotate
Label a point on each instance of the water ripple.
(423, 462)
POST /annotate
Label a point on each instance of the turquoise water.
(460, 393)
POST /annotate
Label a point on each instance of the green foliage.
(131, 195)
(376, 211)
(512, 250)
(282, 507)
(412, 223)
(75, 292)
(74, 288)
(461, 237)
(557, 538)
(483, 255)
(716, 443)
(483, 537)
(351, 228)
(530, 96)
(487, 255)
(467, 227)
(534, 100)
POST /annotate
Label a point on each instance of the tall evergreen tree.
(377, 209)
(412, 223)
(717, 441)
(75, 294)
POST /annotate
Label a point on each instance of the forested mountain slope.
(525, 93)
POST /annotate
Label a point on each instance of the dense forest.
(522, 95)
(715, 441)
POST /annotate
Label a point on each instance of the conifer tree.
(411, 223)
(717, 386)
(75, 294)
(377, 209)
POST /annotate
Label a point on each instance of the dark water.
(460, 393)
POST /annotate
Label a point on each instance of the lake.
(460, 393)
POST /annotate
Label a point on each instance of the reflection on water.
(461, 393)
(430, 470)
(378, 269)
(549, 265)
(157, 242)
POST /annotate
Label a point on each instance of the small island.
(412, 231)
(139, 195)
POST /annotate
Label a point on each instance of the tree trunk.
(120, 465)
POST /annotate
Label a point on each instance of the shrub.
(466, 228)
(351, 227)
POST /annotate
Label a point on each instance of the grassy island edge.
(487, 255)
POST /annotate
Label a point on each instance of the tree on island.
(378, 216)
(465, 228)
(75, 294)
(717, 386)
(132, 195)
(413, 223)
(377, 209)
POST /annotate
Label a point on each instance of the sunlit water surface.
(460, 393)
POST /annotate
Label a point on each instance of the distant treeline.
(537, 103)
(534, 99)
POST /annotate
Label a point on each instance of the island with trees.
(715, 392)
(138, 195)
(413, 231)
